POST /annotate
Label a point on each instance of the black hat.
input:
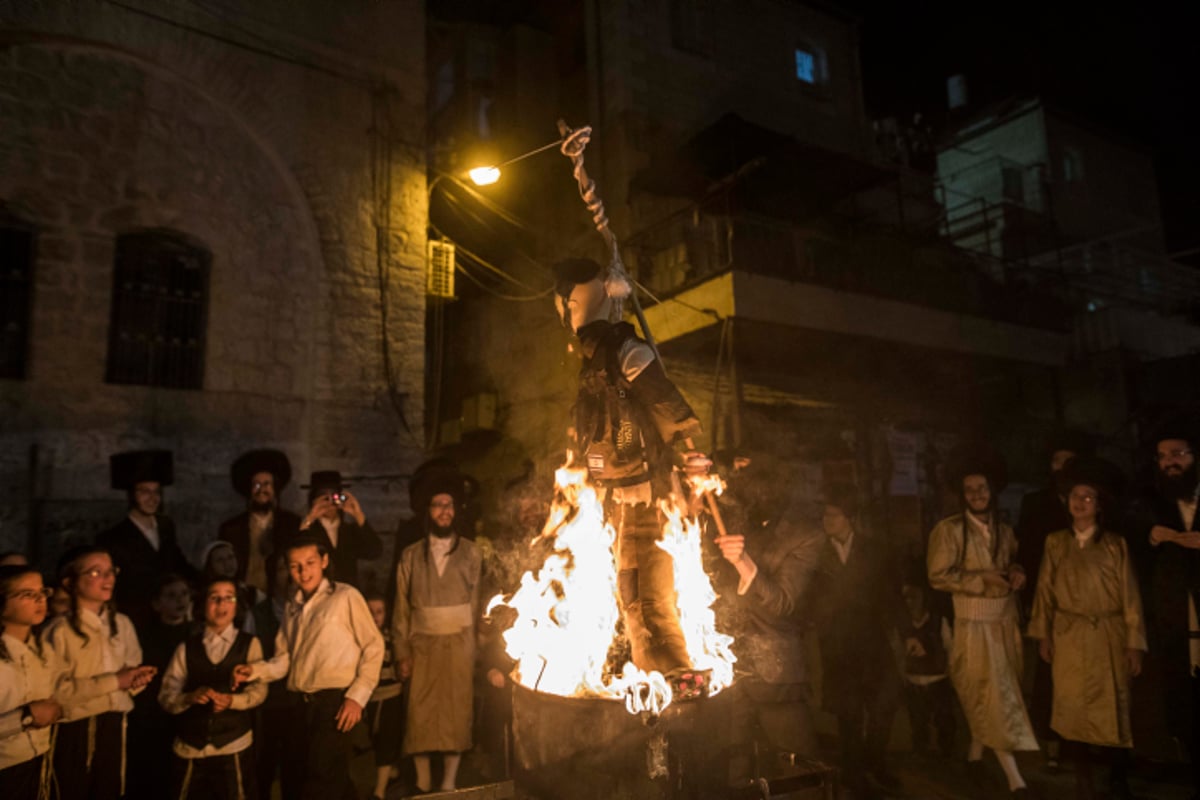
(250, 464)
(843, 496)
(1073, 441)
(434, 477)
(138, 466)
(570, 272)
(1100, 474)
(327, 481)
(976, 458)
(1175, 426)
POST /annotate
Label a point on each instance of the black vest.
(934, 662)
(199, 726)
(608, 424)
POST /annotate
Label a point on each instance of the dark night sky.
(1131, 68)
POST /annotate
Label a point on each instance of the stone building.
(212, 222)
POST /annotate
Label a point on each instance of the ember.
(568, 613)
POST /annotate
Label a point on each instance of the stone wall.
(278, 140)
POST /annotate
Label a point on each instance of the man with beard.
(143, 545)
(972, 555)
(433, 631)
(1169, 522)
(263, 528)
(1044, 512)
(770, 558)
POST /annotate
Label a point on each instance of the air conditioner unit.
(440, 272)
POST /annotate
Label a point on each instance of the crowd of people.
(134, 673)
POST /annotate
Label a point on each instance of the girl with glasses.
(97, 651)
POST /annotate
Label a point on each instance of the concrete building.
(213, 238)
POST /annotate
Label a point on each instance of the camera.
(338, 498)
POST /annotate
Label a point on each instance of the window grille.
(159, 311)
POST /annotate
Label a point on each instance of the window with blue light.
(806, 65)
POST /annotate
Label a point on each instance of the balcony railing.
(689, 248)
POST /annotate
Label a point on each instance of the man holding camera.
(336, 513)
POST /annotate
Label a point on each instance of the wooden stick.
(716, 512)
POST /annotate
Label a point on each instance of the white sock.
(975, 751)
(450, 770)
(424, 781)
(1008, 763)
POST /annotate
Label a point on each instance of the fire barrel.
(584, 748)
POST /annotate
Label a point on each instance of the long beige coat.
(986, 658)
(433, 625)
(1088, 603)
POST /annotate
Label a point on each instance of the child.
(927, 690)
(331, 652)
(27, 708)
(149, 725)
(385, 712)
(1087, 614)
(98, 652)
(219, 560)
(214, 726)
(278, 741)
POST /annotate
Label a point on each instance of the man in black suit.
(336, 514)
(263, 528)
(143, 545)
(1167, 521)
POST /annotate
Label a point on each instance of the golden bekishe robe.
(1088, 603)
(986, 657)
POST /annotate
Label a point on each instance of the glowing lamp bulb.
(484, 176)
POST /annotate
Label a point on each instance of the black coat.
(142, 567)
(1042, 513)
(355, 543)
(1176, 576)
(858, 605)
(236, 531)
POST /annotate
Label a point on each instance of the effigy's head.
(584, 292)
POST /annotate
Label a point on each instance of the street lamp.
(486, 176)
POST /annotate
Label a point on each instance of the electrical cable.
(483, 262)
(519, 299)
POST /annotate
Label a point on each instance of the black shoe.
(976, 773)
(883, 781)
(1119, 790)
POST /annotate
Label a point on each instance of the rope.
(573, 144)
(47, 780)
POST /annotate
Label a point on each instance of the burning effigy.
(568, 623)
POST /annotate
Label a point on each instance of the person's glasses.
(1164, 455)
(222, 599)
(441, 505)
(1090, 499)
(263, 485)
(33, 594)
(96, 572)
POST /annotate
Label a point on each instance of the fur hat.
(434, 477)
(255, 461)
(1073, 441)
(1102, 475)
(976, 458)
(138, 466)
(1176, 425)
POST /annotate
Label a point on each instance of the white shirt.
(329, 641)
(88, 683)
(843, 548)
(439, 550)
(1082, 537)
(24, 677)
(984, 527)
(148, 529)
(1187, 511)
(171, 696)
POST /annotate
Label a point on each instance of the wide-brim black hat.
(976, 458)
(322, 481)
(434, 477)
(250, 464)
(1100, 474)
(1175, 425)
(1072, 441)
(138, 466)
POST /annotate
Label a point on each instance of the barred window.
(16, 290)
(159, 311)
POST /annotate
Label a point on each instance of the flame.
(568, 612)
